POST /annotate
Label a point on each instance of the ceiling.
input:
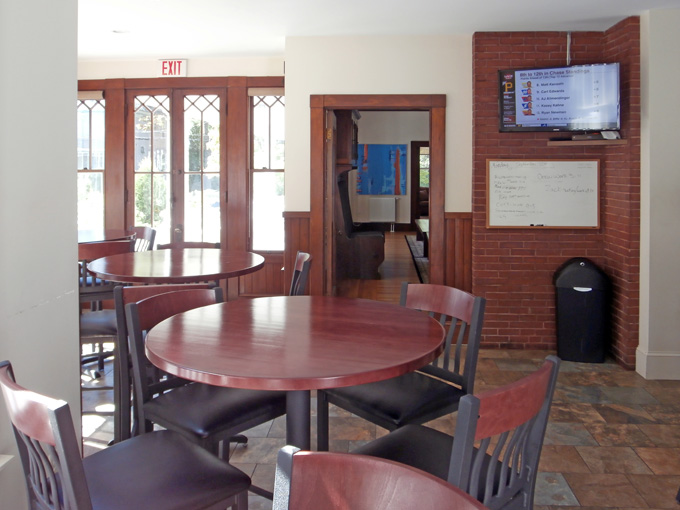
(132, 29)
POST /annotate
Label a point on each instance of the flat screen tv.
(582, 98)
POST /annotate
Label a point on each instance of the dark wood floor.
(397, 267)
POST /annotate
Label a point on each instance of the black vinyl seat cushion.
(184, 408)
(418, 446)
(409, 398)
(423, 448)
(173, 478)
(98, 323)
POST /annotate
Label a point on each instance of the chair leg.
(241, 501)
(321, 421)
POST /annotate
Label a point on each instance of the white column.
(658, 354)
(38, 244)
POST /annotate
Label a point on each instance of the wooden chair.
(435, 389)
(123, 427)
(494, 453)
(300, 274)
(155, 471)
(98, 326)
(144, 237)
(362, 248)
(321, 480)
(205, 414)
(180, 245)
(92, 289)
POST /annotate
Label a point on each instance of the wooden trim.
(295, 214)
(317, 183)
(382, 101)
(437, 237)
(114, 174)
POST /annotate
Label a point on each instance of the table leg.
(298, 429)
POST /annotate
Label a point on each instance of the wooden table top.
(109, 234)
(294, 342)
(176, 266)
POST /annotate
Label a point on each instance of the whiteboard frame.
(542, 227)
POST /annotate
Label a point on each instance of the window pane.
(152, 204)
(97, 138)
(424, 167)
(152, 129)
(268, 226)
(202, 208)
(268, 143)
(83, 127)
(268, 132)
(91, 201)
(90, 126)
(152, 159)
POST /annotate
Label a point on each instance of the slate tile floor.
(613, 440)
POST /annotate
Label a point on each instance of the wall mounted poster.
(381, 169)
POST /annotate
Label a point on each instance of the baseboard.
(657, 365)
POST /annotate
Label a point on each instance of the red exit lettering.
(173, 68)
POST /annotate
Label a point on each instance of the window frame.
(252, 171)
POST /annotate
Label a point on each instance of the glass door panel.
(152, 194)
(202, 168)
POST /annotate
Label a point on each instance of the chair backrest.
(142, 316)
(48, 447)
(462, 314)
(300, 273)
(144, 237)
(87, 252)
(180, 245)
(498, 439)
(122, 295)
(313, 480)
(345, 206)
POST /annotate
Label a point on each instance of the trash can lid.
(580, 272)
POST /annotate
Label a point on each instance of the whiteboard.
(543, 194)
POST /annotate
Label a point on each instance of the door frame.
(321, 217)
(415, 147)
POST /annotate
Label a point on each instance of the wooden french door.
(176, 162)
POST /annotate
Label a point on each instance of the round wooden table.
(295, 344)
(176, 266)
(94, 236)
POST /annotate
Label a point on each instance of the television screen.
(575, 98)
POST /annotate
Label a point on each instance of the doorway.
(323, 190)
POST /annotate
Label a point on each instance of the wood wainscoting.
(268, 281)
(458, 250)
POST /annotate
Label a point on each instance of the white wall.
(658, 355)
(148, 68)
(380, 65)
(38, 300)
(389, 128)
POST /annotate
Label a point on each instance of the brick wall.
(513, 268)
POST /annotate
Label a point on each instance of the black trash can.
(582, 292)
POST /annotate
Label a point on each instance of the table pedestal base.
(298, 428)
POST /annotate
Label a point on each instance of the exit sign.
(172, 68)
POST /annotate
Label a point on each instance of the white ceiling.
(129, 29)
